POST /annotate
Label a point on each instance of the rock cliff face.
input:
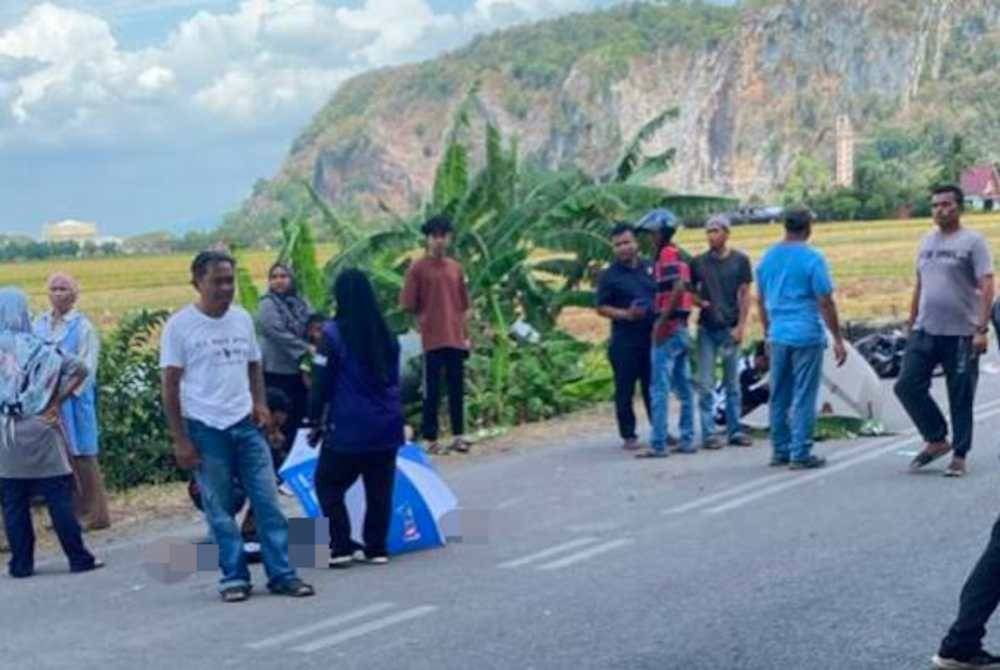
(755, 87)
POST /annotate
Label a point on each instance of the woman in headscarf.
(35, 378)
(73, 333)
(283, 317)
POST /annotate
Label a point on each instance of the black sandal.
(235, 594)
(296, 588)
(926, 457)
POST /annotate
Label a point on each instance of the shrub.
(135, 445)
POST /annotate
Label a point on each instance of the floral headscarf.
(29, 367)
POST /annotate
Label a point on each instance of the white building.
(70, 230)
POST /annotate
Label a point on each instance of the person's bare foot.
(956, 468)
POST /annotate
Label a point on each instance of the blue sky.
(160, 114)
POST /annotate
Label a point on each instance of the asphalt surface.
(592, 560)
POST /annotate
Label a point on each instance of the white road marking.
(725, 493)
(824, 472)
(984, 411)
(551, 551)
(586, 554)
(365, 629)
(322, 625)
(753, 483)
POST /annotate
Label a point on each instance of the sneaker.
(712, 444)
(686, 450)
(778, 461)
(672, 441)
(980, 660)
(340, 562)
(808, 463)
(740, 440)
(361, 557)
(631, 444)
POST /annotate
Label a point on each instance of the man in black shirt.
(625, 293)
(722, 278)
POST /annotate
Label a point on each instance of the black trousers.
(335, 473)
(630, 364)
(979, 599)
(58, 494)
(961, 368)
(452, 362)
(295, 388)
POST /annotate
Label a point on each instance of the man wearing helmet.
(670, 357)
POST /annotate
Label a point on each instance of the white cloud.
(64, 77)
(156, 78)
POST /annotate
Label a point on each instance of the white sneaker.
(361, 557)
(337, 562)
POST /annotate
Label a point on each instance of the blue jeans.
(240, 452)
(671, 370)
(795, 377)
(714, 343)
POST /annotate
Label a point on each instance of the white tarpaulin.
(853, 390)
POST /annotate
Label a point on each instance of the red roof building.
(981, 184)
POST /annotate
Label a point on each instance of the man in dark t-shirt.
(625, 293)
(722, 278)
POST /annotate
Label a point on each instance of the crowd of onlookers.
(238, 393)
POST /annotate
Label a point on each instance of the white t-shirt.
(214, 354)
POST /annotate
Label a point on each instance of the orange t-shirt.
(434, 290)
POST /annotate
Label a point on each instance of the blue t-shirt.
(792, 277)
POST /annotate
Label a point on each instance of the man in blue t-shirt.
(796, 297)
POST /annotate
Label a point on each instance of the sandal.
(652, 453)
(955, 470)
(461, 445)
(235, 594)
(927, 456)
(437, 448)
(296, 588)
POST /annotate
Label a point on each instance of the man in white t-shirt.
(213, 396)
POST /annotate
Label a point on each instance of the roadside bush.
(555, 376)
(135, 445)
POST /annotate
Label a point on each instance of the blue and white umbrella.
(420, 498)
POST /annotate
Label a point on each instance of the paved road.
(594, 560)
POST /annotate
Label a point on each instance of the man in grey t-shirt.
(949, 315)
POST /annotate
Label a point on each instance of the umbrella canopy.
(420, 498)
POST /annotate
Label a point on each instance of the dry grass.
(872, 264)
(113, 286)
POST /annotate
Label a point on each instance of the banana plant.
(530, 240)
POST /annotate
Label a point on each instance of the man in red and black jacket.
(670, 355)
